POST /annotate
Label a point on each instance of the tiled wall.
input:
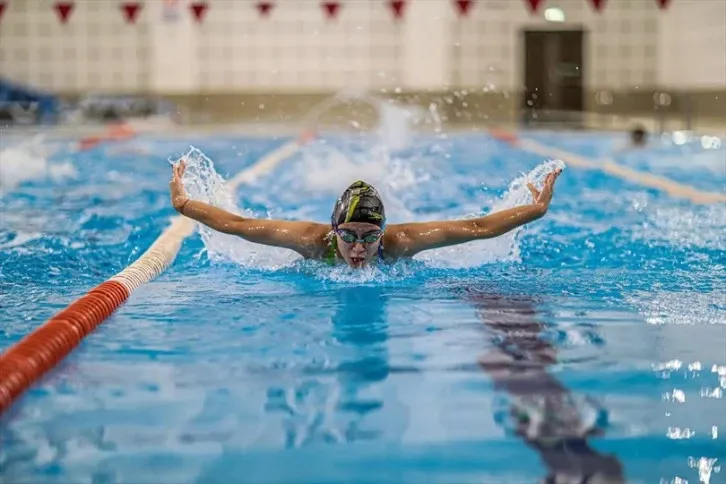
(631, 43)
(693, 44)
(621, 46)
(95, 50)
(298, 48)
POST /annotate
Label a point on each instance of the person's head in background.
(638, 137)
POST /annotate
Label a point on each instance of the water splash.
(28, 160)
(203, 183)
(501, 249)
(396, 121)
(326, 170)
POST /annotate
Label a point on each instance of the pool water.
(604, 321)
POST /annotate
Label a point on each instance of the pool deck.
(166, 127)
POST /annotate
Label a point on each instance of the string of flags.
(330, 8)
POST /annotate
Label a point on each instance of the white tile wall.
(96, 49)
(631, 43)
(693, 44)
(620, 47)
(296, 47)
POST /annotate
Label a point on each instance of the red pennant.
(199, 9)
(663, 4)
(64, 10)
(331, 9)
(2, 9)
(397, 7)
(534, 5)
(264, 8)
(464, 6)
(598, 4)
(131, 11)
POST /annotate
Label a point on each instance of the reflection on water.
(323, 409)
(541, 410)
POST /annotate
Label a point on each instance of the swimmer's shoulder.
(395, 241)
(316, 240)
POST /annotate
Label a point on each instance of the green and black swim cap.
(360, 202)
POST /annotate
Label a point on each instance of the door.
(553, 76)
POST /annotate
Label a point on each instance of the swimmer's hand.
(544, 197)
(179, 196)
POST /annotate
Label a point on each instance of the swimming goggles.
(351, 237)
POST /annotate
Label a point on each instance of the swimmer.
(638, 137)
(357, 234)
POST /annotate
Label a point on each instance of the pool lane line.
(42, 349)
(673, 188)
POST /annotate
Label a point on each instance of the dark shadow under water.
(543, 410)
(546, 415)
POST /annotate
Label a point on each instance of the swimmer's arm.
(406, 240)
(302, 237)
(410, 239)
(305, 238)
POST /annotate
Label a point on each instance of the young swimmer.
(357, 234)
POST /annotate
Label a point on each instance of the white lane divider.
(667, 185)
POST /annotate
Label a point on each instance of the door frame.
(559, 115)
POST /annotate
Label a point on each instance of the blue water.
(244, 364)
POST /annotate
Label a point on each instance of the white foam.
(501, 249)
(28, 160)
(203, 183)
(326, 170)
(700, 226)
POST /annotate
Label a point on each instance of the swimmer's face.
(358, 242)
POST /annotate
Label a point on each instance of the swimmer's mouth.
(357, 260)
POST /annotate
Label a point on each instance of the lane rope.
(673, 188)
(29, 359)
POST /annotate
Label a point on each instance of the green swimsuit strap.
(331, 252)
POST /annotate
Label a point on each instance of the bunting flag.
(598, 4)
(331, 9)
(463, 6)
(534, 5)
(264, 8)
(198, 10)
(63, 9)
(131, 11)
(2, 9)
(663, 4)
(397, 7)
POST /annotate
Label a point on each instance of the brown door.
(553, 77)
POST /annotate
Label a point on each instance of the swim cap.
(360, 202)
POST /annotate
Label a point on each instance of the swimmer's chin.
(357, 262)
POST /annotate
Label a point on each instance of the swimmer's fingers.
(553, 176)
(533, 191)
(179, 168)
(549, 182)
(176, 177)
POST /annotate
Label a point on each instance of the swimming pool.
(243, 364)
